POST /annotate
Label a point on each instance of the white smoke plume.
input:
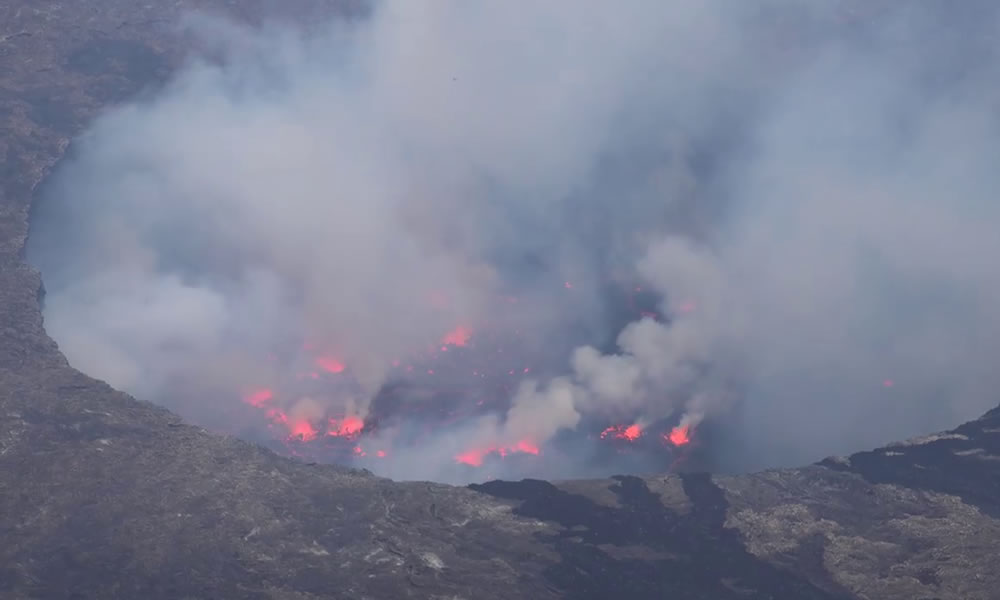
(808, 190)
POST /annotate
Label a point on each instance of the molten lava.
(427, 378)
(621, 432)
(475, 458)
(302, 430)
(349, 427)
(679, 435)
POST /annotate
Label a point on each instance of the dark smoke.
(807, 192)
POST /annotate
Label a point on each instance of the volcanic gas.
(570, 239)
(449, 386)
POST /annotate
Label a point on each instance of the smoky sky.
(808, 191)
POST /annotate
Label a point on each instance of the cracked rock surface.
(104, 496)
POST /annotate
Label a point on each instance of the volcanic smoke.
(459, 240)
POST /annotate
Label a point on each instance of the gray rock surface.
(104, 496)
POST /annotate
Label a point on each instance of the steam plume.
(808, 190)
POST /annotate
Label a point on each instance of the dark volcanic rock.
(103, 496)
(963, 463)
(640, 547)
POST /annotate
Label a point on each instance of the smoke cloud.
(807, 191)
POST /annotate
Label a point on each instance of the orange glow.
(277, 416)
(472, 458)
(527, 447)
(346, 427)
(457, 337)
(621, 432)
(303, 430)
(330, 364)
(259, 397)
(475, 458)
(680, 435)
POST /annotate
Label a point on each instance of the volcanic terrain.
(106, 496)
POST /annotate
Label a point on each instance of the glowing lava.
(475, 458)
(679, 435)
(302, 430)
(348, 427)
(527, 447)
(298, 429)
(425, 378)
(330, 364)
(259, 398)
(621, 432)
(457, 337)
